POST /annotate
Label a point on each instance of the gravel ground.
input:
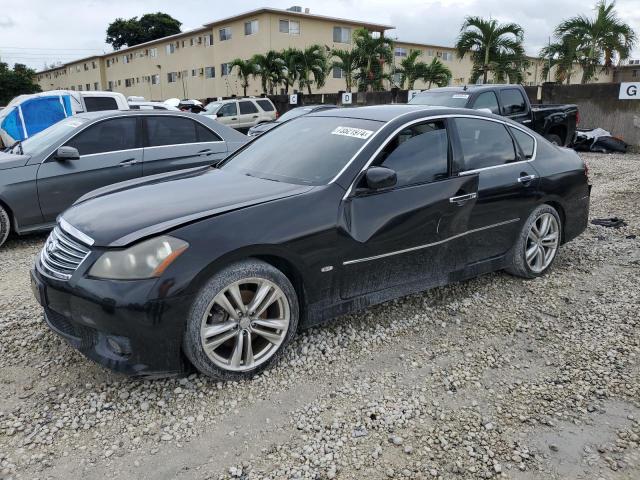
(491, 378)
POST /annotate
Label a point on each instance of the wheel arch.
(560, 131)
(12, 219)
(561, 212)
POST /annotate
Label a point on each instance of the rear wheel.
(538, 243)
(555, 139)
(241, 321)
(5, 225)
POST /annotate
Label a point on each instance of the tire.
(211, 323)
(525, 260)
(5, 225)
(555, 139)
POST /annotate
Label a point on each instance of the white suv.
(242, 112)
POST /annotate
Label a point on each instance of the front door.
(409, 232)
(174, 143)
(228, 114)
(507, 188)
(515, 106)
(110, 152)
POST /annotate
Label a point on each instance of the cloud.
(6, 21)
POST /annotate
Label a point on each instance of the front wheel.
(5, 225)
(241, 321)
(537, 245)
(555, 139)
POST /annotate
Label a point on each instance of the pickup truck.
(557, 123)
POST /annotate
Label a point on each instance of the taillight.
(578, 117)
(277, 115)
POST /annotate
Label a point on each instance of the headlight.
(147, 259)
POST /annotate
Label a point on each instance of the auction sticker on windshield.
(460, 95)
(352, 132)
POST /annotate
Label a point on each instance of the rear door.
(174, 142)
(515, 106)
(507, 185)
(410, 232)
(110, 152)
(249, 114)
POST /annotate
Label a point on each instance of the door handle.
(234, 118)
(526, 179)
(128, 162)
(462, 199)
(255, 116)
(205, 152)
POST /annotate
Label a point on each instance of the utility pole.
(549, 69)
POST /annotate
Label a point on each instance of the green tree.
(291, 72)
(133, 31)
(371, 53)
(245, 69)
(488, 42)
(510, 68)
(16, 81)
(600, 39)
(312, 66)
(410, 69)
(436, 72)
(270, 67)
(563, 55)
(347, 62)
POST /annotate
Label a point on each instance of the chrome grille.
(62, 254)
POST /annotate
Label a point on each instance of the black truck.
(557, 123)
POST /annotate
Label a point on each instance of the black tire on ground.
(245, 269)
(516, 258)
(555, 139)
(5, 225)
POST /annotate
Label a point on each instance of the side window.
(513, 102)
(418, 154)
(229, 109)
(170, 131)
(206, 135)
(107, 136)
(95, 104)
(487, 100)
(247, 108)
(484, 143)
(265, 105)
(526, 142)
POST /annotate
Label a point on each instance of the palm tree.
(270, 68)
(436, 72)
(410, 69)
(245, 70)
(600, 39)
(347, 62)
(510, 68)
(312, 61)
(291, 72)
(486, 41)
(562, 55)
(371, 55)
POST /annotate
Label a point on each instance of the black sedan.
(329, 213)
(290, 115)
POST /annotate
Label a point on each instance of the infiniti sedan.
(44, 174)
(217, 268)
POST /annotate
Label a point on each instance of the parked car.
(146, 105)
(325, 215)
(43, 175)
(241, 113)
(557, 123)
(27, 115)
(291, 114)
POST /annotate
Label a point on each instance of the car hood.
(9, 160)
(123, 213)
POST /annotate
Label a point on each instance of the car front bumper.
(132, 336)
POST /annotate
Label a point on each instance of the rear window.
(96, 104)
(441, 99)
(247, 108)
(170, 131)
(526, 142)
(265, 105)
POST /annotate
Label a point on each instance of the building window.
(170, 49)
(634, 73)
(225, 69)
(292, 27)
(155, 79)
(430, 52)
(86, 67)
(172, 77)
(93, 65)
(191, 42)
(128, 82)
(110, 85)
(208, 40)
(337, 72)
(77, 68)
(448, 56)
(88, 86)
(95, 85)
(401, 52)
(210, 72)
(342, 34)
(225, 34)
(80, 88)
(251, 27)
(153, 52)
(125, 59)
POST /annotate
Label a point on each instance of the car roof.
(119, 113)
(386, 113)
(470, 88)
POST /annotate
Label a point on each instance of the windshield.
(52, 135)
(212, 107)
(441, 99)
(309, 151)
(296, 112)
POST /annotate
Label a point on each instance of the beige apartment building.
(195, 64)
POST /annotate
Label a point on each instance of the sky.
(37, 33)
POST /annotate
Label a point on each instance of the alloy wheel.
(542, 242)
(245, 324)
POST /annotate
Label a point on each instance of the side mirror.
(67, 153)
(378, 178)
(219, 114)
